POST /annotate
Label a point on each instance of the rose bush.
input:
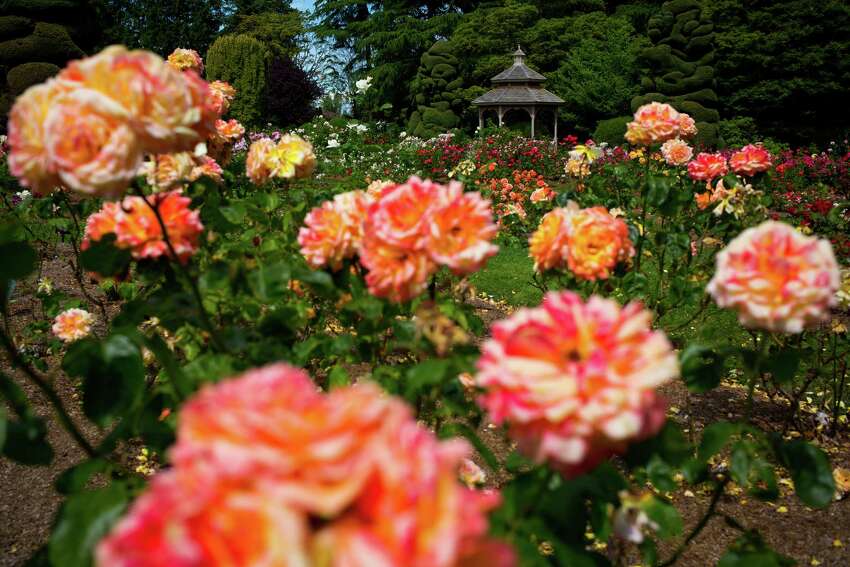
(236, 261)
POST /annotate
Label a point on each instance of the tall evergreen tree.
(162, 26)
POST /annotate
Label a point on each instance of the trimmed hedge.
(47, 42)
(241, 61)
(23, 76)
(612, 130)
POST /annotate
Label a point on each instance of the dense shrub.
(291, 94)
(27, 74)
(241, 61)
(611, 130)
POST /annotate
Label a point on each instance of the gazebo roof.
(517, 94)
(518, 72)
(518, 85)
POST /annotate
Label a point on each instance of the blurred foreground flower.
(88, 128)
(269, 471)
(776, 278)
(575, 381)
(73, 325)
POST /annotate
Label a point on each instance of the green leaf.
(702, 368)
(810, 471)
(338, 378)
(26, 442)
(270, 283)
(660, 474)
(714, 438)
(666, 516)
(104, 257)
(659, 190)
(740, 463)
(75, 479)
(234, 214)
(113, 376)
(428, 373)
(19, 260)
(783, 365)
(457, 429)
(750, 550)
(83, 520)
(15, 396)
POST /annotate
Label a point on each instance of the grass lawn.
(508, 277)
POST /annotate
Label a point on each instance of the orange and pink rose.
(576, 381)
(707, 166)
(751, 159)
(776, 278)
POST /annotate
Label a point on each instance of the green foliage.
(785, 64)
(277, 31)
(738, 131)
(678, 67)
(23, 76)
(48, 42)
(240, 60)
(15, 26)
(162, 26)
(598, 76)
(611, 130)
(436, 91)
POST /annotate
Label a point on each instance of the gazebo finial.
(519, 55)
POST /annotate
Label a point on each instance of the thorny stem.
(761, 349)
(48, 391)
(75, 264)
(642, 235)
(202, 312)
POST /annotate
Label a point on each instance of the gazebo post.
(533, 115)
(480, 118)
(555, 112)
(500, 116)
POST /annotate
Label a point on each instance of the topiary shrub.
(435, 92)
(48, 42)
(15, 26)
(36, 38)
(612, 130)
(291, 94)
(241, 61)
(23, 76)
(678, 68)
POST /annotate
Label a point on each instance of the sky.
(303, 4)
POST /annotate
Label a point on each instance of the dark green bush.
(15, 26)
(23, 76)
(48, 42)
(611, 130)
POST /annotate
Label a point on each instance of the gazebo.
(518, 87)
